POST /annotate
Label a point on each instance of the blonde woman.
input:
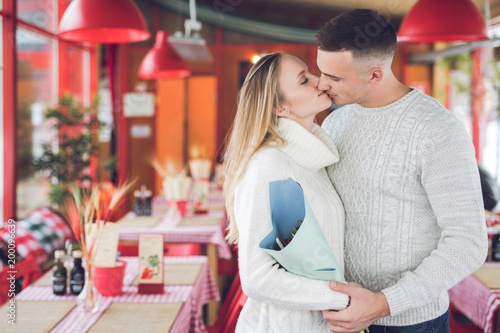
(274, 137)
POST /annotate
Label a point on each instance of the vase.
(89, 298)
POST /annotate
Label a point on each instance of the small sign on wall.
(138, 104)
(140, 131)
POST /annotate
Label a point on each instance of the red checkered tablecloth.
(188, 320)
(174, 233)
(479, 303)
(26, 244)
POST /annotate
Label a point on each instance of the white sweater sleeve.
(449, 175)
(261, 277)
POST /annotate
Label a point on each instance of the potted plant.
(77, 129)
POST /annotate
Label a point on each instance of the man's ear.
(376, 75)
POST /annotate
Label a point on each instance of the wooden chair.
(230, 310)
(27, 270)
(186, 249)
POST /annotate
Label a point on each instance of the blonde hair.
(254, 127)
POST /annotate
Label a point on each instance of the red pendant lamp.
(442, 20)
(162, 62)
(103, 21)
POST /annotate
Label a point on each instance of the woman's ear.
(282, 111)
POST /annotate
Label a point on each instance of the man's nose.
(322, 83)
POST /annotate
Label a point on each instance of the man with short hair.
(408, 180)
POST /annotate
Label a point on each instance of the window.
(36, 91)
(46, 69)
(40, 13)
(73, 77)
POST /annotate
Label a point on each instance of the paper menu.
(107, 246)
(151, 259)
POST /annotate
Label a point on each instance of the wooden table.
(478, 297)
(181, 302)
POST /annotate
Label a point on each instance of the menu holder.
(35, 316)
(126, 318)
(151, 264)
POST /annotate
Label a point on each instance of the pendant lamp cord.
(487, 14)
(192, 9)
(192, 24)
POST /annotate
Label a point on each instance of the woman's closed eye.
(305, 81)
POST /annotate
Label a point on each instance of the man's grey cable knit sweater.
(414, 213)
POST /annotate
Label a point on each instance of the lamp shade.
(442, 20)
(103, 21)
(161, 62)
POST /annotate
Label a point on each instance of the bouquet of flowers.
(297, 241)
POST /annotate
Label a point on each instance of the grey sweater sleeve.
(450, 178)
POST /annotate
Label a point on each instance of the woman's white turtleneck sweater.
(279, 301)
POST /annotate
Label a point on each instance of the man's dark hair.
(364, 32)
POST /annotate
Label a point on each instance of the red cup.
(181, 207)
(109, 280)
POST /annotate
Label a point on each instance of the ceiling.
(293, 20)
(395, 7)
(321, 10)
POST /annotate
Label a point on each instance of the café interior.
(129, 103)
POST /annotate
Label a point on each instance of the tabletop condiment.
(77, 276)
(142, 202)
(146, 208)
(495, 247)
(59, 274)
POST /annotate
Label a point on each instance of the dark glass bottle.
(137, 203)
(495, 247)
(77, 275)
(146, 209)
(59, 274)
